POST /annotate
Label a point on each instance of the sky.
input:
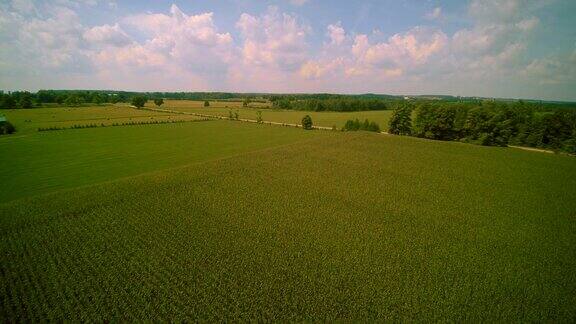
(489, 48)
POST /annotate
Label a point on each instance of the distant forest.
(305, 102)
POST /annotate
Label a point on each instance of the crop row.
(356, 226)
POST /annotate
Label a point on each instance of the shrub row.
(356, 125)
(132, 123)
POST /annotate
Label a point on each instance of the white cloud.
(402, 54)
(336, 34)
(435, 14)
(553, 70)
(273, 40)
(107, 35)
(191, 41)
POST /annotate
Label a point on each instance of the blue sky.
(491, 48)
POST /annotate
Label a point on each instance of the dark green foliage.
(259, 117)
(206, 103)
(497, 124)
(159, 102)
(24, 100)
(334, 104)
(6, 128)
(307, 122)
(436, 122)
(73, 100)
(139, 101)
(401, 120)
(7, 102)
(356, 125)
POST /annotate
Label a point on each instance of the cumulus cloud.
(336, 34)
(107, 35)
(273, 39)
(193, 41)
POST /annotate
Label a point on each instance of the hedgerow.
(132, 123)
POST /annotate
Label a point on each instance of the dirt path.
(533, 149)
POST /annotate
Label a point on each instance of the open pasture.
(325, 118)
(29, 120)
(45, 161)
(352, 226)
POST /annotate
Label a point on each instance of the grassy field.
(351, 226)
(41, 162)
(326, 119)
(29, 120)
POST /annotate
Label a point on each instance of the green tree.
(236, 115)
(159, 102)
(246, 102)
(139, 101)
(25, 102)
(401, 121)
(307, 122)
(259, 117)
(72, 100)
(230, 114)
(206, 103)
(436, 122)
(7, 102)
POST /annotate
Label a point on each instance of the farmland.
(326, 119)
(45, 161)
(29, 120)
(223, 220)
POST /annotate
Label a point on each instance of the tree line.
(491, 123)
(331, 104)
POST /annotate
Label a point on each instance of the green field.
(238, 221)
(46, 161)
(326, 118)
(29, 120)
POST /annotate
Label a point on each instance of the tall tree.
(401, 121)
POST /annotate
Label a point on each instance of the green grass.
(326, 119)
(28, 121)
(351, 226)
(45, 161)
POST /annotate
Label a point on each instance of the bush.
(356, 125)
(159, 102)
(206, 103)
(307, 122)
(6, 128)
